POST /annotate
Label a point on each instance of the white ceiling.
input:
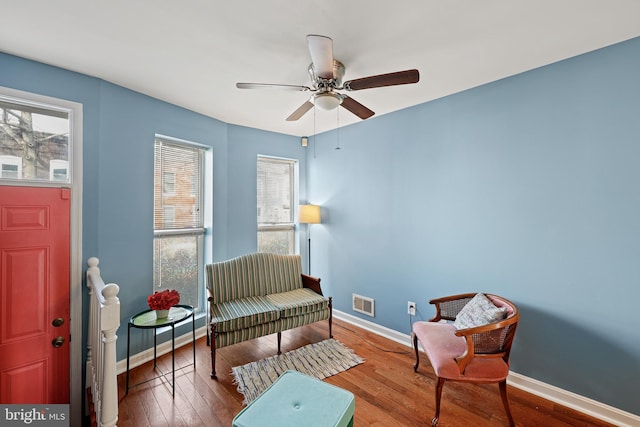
(192, 52)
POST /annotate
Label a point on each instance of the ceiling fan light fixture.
(327, 101)
(326, 74)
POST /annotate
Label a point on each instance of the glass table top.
(148, 319)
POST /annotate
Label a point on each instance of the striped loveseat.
(260, 294)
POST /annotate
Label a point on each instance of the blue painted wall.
(528, 188)
(128, 124)
(245, 144)
(119, 128)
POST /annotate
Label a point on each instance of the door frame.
(75, 252)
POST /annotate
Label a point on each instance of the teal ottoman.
(297, 400)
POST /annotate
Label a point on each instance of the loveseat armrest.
(312, 283)
(447, 308)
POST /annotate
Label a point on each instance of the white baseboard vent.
(364, 305)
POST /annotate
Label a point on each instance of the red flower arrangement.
(163, 300)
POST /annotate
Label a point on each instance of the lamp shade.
(309, 214)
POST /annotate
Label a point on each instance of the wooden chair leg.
(415, 346)
(439, 386)
(505, 401)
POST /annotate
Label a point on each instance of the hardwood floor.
(388, 392)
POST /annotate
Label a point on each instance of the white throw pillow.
(478, 312)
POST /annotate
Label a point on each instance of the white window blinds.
(276, 195)
(275, 191)
(177, 186)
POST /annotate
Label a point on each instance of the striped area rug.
(320, 360)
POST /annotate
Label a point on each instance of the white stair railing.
(104, 320)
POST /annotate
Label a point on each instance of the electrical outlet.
(411, 308)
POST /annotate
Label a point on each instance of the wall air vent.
(363, 305)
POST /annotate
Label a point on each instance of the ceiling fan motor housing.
(338, 74)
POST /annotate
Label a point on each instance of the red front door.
(34, 299)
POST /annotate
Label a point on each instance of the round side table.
(148, 320)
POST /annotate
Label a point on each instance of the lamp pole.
(309, 249)
(309, 214)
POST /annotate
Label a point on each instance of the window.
(34, 142)
(10, 167)
(168, 216)
(276, 197)
(178, 244)
(168, 183)
(58, 170)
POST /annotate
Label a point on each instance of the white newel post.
(104, 320)
(110, 322)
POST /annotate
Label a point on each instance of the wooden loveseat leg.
(330, 317)
(213, 350)
(279, 342)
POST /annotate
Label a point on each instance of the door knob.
(57, 342)
(59, 321)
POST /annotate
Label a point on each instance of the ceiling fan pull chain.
(337, 128)
(314, 131)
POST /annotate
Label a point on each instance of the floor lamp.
(309, 214)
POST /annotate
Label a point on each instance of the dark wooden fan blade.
(390, 79)
(300, 111)
(271, 86)
(321, 51)
(356, 108)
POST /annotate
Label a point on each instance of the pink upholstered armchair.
(460, 350)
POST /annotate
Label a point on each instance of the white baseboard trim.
(383, 331)
(574, 401)
(163, 348)
(552, 393)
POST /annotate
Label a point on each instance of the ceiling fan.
(326, 80)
